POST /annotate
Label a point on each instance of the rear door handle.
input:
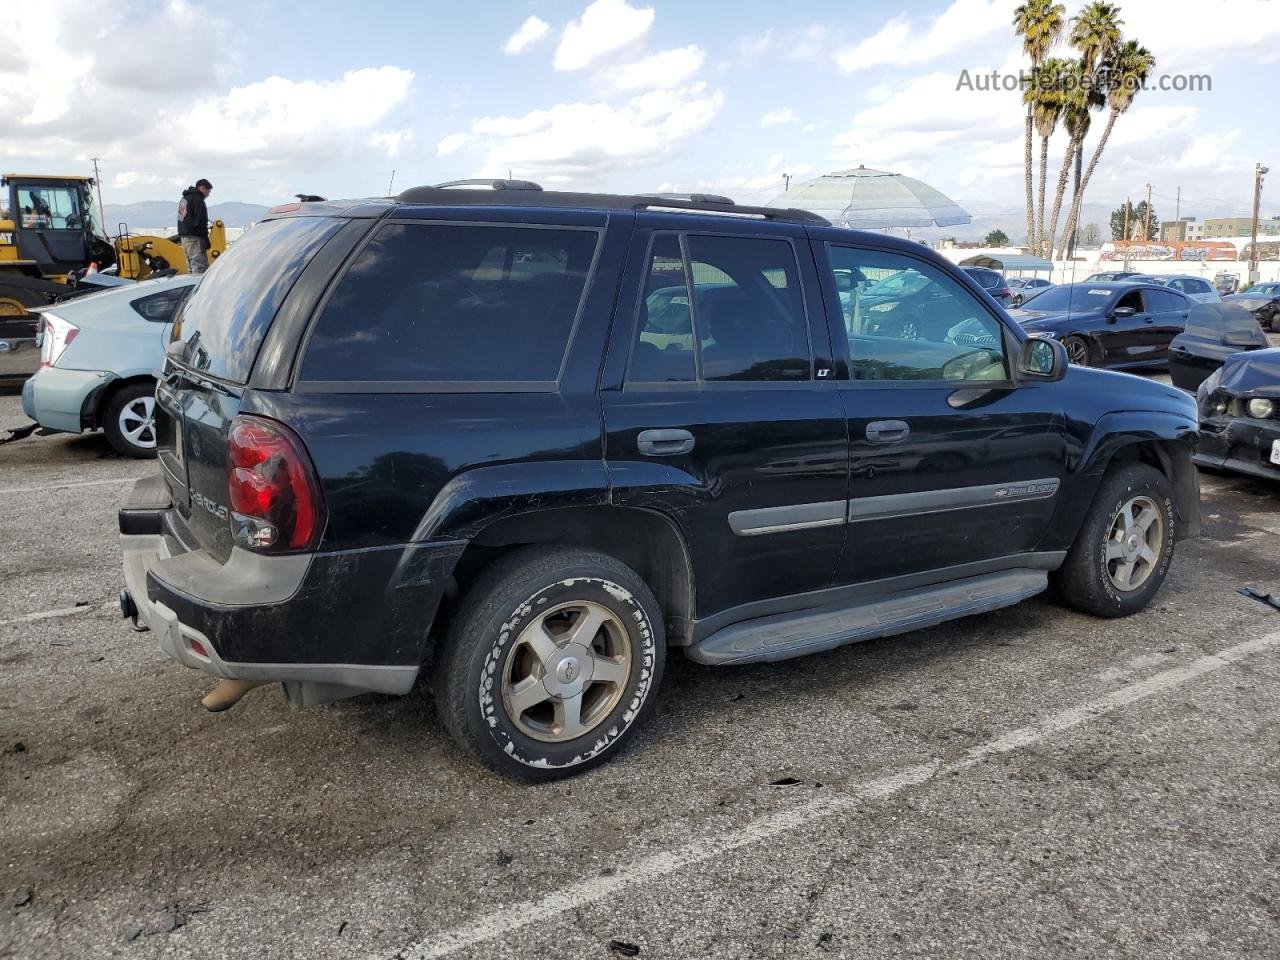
(888, 431)
(664, 443)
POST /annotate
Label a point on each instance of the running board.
(783, 636)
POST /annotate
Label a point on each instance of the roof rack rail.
(705, 203)
(415, 194)
(692, 197)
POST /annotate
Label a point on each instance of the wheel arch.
(95, 405)
(1162, 440)
(646, 541)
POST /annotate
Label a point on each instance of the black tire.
(127, 397)
(1085, 581)
(475, 662)
(1078, 347)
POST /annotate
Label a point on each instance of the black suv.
(522, 443)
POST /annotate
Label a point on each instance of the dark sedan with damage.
(1239, 407)
(1263, 301)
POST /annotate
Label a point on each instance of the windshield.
(1077, 297)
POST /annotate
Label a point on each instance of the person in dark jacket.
(193, 225)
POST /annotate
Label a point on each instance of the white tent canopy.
(874, 200)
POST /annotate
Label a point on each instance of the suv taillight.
(56, 336)
(275, 500)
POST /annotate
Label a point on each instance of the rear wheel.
(129, 420)
(551, 662)
(1123, 550)
(1077, 350)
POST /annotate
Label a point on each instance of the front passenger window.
(907, 320)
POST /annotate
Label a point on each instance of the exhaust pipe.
(227, 693)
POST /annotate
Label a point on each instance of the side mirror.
(1043, 359)
(1121, 313)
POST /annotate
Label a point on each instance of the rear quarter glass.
(225, 320)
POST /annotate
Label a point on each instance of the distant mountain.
(150, 214)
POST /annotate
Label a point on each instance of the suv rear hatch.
(216, 339)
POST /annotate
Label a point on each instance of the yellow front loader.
(49, 240)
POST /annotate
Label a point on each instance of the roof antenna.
(391, 181)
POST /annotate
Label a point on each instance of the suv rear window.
(460, 303)
(225, 321)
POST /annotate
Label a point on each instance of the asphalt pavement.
(1028, 783)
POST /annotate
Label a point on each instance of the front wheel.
(551, 662)
(1123, 550)
(1077, 351)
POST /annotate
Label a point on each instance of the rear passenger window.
(435, 302)
(749, 309)
(742, 296)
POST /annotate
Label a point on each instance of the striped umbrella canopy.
(874, 200)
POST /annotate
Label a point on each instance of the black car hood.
(1250, 301)
(1255, 373)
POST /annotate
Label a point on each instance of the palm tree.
(1044, 98)
(1096, 34)
(1125, 74)
(1079, 98)
(1039, 23)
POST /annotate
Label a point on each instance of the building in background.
(1176, 229)
(1239, 227)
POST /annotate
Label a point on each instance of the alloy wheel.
(137, 422)
(566, 671)
(1135, 543)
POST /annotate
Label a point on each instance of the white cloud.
(901, 41)
(583, 141)
(1197, 35)
(605, 26)
(529, 33)
(752, 185)
(753, 47)
(779, 117)
(660, 71)
(276, 119)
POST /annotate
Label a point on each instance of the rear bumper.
(57, 399)
(1238, 445)
(326, 624)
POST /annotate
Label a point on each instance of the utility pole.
(786, 182)
(1127, 207)
(97, 182)
(1146, 230)
(1259, 171)
(1177, 216)
(391, 181)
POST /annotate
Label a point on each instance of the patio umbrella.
(873, 200)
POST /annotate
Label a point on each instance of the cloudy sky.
(267, 100)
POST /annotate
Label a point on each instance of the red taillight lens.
(275, 499)
(1006, 292)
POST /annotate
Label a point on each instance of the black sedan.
(1108, 324)
(1240, 415)
(1214, 332)
(1263, 301)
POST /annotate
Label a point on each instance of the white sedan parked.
(99, 359)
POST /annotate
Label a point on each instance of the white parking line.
(54, 614)
(509, 919)
(57, 485)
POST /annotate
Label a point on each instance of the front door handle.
(664, 443)
(888, 431)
